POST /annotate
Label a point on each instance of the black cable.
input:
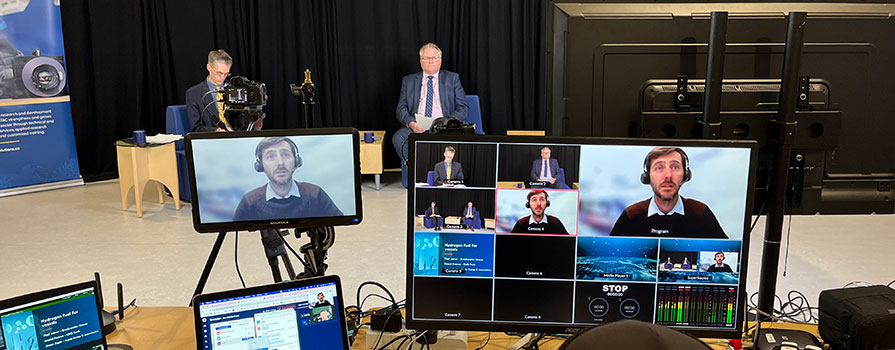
(236, 259)
(392, 297)
(361, 306)
(890, 284)
(302, 261)
(788, 231)
(755, 222)
(132, 303)
(405, 337)
(486, 342)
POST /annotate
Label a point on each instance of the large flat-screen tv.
(564, 233)
(244, 181)
(614, 72)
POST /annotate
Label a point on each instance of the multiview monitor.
(274, 179)
(554, 234)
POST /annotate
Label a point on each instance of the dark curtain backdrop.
(129, 60)
(478, 162)
(514, 162)
(452, 202)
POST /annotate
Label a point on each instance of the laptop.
(300, 314)
(62, 318)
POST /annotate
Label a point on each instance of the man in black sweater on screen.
(282, 197)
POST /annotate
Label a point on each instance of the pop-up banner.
(37, 144)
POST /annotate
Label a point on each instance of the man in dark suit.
(282, 197)
(205, 108)
(432, 214)
(469, 216)
(448, 169)
(432, 93)
(546, 169)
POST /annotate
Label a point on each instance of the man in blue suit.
(470, 216)
(432, 93)
(204, 113)
(546, 169)
(448, 169)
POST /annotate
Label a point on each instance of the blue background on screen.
(225, 172)
(426, 252)
(632, 257)
(479, 260)
(35, 323)
(610, 181)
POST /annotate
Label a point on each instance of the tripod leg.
(215, 249)
(289, 269)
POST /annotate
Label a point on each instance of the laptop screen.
(62, 318)
(306, 314)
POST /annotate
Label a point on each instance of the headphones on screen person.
(534, 192)
(645, 177)
(268, 141)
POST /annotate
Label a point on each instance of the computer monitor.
(578, 232)
(300, 314)
(274, 179)
(61, 318)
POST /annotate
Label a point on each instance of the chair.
(177, 121)
(429, 222)
(560, 177)
(474, 116)
(476, 221)
(430, 178)
(475, 113)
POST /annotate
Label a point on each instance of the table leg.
(161, 192)
(377, 181)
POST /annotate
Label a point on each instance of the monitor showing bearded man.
(667, 213)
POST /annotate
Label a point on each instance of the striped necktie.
(220, 98)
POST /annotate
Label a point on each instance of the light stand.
(307, 92)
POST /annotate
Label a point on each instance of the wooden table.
(138, 165)
(371, 154)
(172, 328)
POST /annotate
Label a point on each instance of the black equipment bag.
(858, 318)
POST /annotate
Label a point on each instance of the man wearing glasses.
(432, 93)
(205, 109)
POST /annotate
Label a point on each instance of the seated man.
(448, 169)
(432, 214)
(205, 114)
(469, 216)
(546, 169)
(432, 93)
(686, 264)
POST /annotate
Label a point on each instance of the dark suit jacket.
(201, 118)
(536, 168)
(441, 172)
(452, 96)
(475, 212)
(430, 212)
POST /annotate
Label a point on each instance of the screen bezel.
(279, 223)
(540, 140)
(197, 300)
(56, 292)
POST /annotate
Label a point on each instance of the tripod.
(314, 252)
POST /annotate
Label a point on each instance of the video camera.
(449, 125)
(244, 95)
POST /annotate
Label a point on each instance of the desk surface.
(172, 328)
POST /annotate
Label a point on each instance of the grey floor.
(60, 237)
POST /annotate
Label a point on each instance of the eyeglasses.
(430, 58)
(224, 74)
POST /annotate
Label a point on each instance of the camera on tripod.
(244, 95)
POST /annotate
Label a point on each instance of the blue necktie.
(429, 95)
